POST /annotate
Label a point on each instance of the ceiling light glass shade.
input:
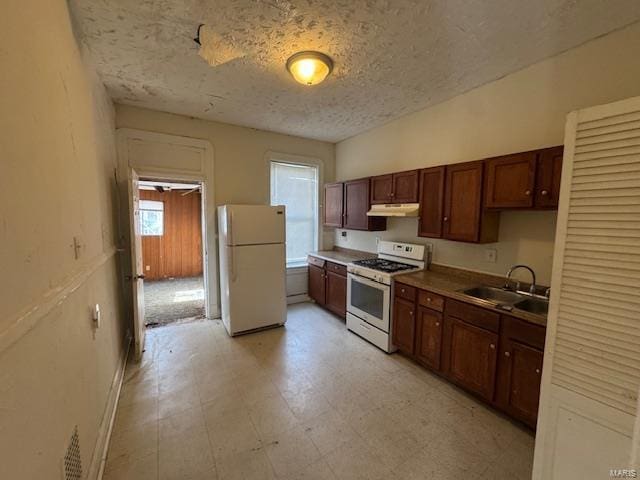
(309, 68)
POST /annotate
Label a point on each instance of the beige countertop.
(342, 256)
(449, 281)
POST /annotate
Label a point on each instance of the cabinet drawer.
(405, 291)
(523, 332)
(431, 300)
(474, 315)
(318, 262)
(337, 268)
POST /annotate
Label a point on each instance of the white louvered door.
(591, 374)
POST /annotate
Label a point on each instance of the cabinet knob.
(537, 370)
(507, 354)
(428, 299)
(544, 192)
(492, 346)
(437, 324)
(527, 192)
(411, 313)
(446, 219)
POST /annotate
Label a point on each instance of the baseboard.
(96, 469)
(298, 299)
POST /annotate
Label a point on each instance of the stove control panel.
(403, 250)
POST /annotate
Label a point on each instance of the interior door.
(137, 276)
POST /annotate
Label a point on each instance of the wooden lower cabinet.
(520, 369)
(495, 356)
(336, 293)
(317, 284)
(428, 342)
(328, 285)
(471, 356)
(521, 385)
(404, 324)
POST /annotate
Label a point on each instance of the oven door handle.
(366, 281)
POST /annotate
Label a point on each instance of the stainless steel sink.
(533, 305)
(495, 295)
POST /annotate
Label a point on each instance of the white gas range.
(369, 290)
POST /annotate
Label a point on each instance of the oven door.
(369, 301)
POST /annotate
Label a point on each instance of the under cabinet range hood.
(394, 210)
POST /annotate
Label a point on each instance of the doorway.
(171, 229)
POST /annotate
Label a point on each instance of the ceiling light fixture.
(309, 68)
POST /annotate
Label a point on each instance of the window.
(151, 217)
(296, 187)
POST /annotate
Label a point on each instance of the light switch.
(491, 255)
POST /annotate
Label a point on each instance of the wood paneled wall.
(177, 253)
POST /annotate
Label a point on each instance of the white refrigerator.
(252, 267)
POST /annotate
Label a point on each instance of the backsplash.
(525, 237)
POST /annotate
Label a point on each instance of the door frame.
(203, 228)
(138, 150)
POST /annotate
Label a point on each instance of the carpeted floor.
(167, 301)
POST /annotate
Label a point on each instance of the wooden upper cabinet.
(464, 218)
(510, 181)
(431, 202)
(399, 187)
(548, 176)
(333, 204)
(356, 206)
(381, 189)
(405, 187)
(471, 356)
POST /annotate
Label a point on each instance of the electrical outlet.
(491, 255)
(343, 234)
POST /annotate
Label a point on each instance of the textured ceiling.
(392, 57)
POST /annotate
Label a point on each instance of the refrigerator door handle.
(232, 261)
(230, 228)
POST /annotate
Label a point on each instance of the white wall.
(523, 111)
(57, 158)
(241, 166)
(241, 160)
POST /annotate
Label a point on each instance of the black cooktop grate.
(383, 265)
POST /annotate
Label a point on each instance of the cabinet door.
(549, 172)
(463, 202)
(472, 356)
(381, 189)
(523, 373)
(405, 187)
(356, 206)
(333, 204)
(336, 293)
(428, 337)
(317, 284)
(403, 325)
(510, 181)
(431, 202)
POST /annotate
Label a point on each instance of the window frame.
(299, 160)
(161, 210)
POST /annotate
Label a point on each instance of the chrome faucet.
(532, 288)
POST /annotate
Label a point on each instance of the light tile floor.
(308, 401)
